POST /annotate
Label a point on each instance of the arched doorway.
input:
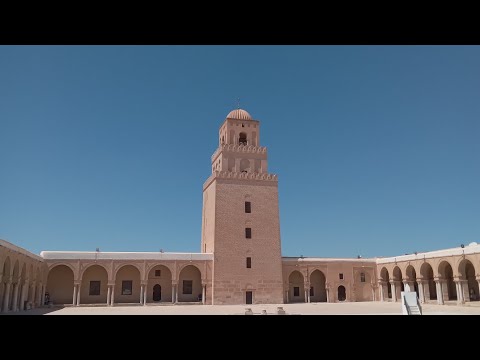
(318, 293)
(412, 278)
(397, 279)
(386, 284)
(342, 293)
(157, 293)
(127, 285)
(429, 288)
(467, 272)
(296, 287)
(162, 276)
(190, 284)
(94, 285)
(446, 273)
(60, 285)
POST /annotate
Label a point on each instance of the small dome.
(239, 114)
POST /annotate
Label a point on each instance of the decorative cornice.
(239, 148)
(245, 176)
(272, 178)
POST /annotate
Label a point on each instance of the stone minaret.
(240, 220)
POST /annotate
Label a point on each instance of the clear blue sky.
(377, 148)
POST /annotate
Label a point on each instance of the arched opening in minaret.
(242, 139)
(244, 165)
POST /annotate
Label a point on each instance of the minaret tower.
(240, 219)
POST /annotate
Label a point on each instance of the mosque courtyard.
(347, 308)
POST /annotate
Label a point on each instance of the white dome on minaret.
(239, 114)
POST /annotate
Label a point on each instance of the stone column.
(438, 284)
(22, 295)
(31, 298)
(112, 296)
(394, 291)
(421, 294)
(141, 293)
(328, 294)
(204, 293)
(44, 289)
(426, 290)
(444, 290)
(465, 292)
(176, 293)
(478, 280)
(109, 293)
(286, 292)
(398, 288)
(74, 299)
(38, 294)
(307, 294)
(78, 294)
(173, 293)
(145, 289)
(373, 293)
(380, 288)
(6, 295)
(15, 297)
(459, 289)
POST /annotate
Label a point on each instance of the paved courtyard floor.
(363, 308)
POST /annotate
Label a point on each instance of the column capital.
(144, 283)
(8, 279)
(111, 283)
(79, 283)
